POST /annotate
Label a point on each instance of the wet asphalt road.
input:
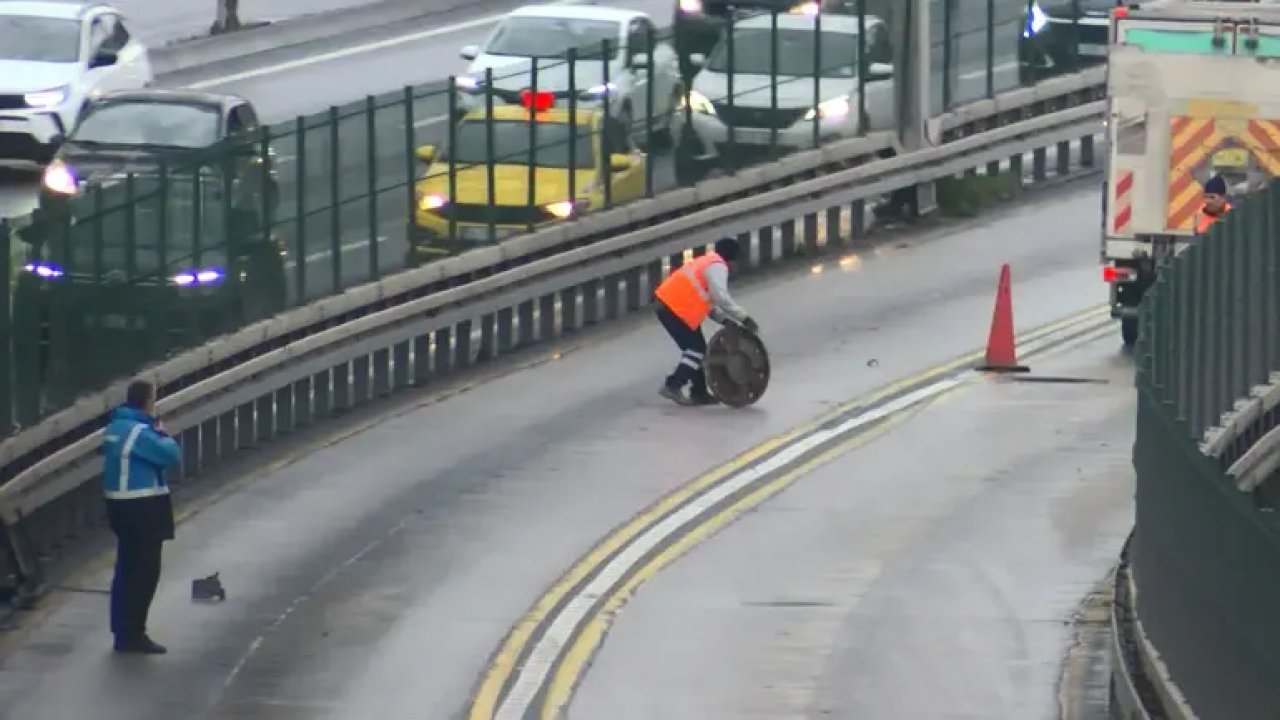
(929, 573)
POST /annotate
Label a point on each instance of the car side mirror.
(104, 58)
(427, 153)
(619, 162)
(469, 52)
(640, 60)
(879, 71)
(697, 59)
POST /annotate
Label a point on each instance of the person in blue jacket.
(136, 451)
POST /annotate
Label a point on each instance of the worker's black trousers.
(134, 586)
(693, 348)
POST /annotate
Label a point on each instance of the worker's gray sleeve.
(722, 302)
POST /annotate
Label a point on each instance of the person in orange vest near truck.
(1215, 204)
(693, 292)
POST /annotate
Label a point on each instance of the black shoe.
(675, 395)
(140, 646)
(703, 399)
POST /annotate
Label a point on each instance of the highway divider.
(258, 385)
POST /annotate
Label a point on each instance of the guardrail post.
(914, 64)
(6, 328)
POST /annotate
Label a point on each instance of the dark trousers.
(134, 586)
(693, 349)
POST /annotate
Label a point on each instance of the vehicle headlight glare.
(691, 6)
(809, 8)
(830, 109)
(58, 178)
(598, 90)
(1036, 21)
(45, 98)
(698, 103)
(43, 270)
(562, 210)
(205, 276)
(431, 202)
(466, 83)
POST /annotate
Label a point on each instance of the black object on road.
(737, 366)
(208, 589)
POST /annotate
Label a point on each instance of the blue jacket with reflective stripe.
(135, 456)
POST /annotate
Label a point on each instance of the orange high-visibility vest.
(1204, 220)
(685, 291)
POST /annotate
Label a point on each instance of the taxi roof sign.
(537, 101)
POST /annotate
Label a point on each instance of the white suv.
(53, 56)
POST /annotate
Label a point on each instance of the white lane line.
(359, 49)
(533, 674)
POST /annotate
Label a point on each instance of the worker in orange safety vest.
(1215, 204)
(691, 293)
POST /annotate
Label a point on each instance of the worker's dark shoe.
(703, 399)
(140, 646)
(675, 395)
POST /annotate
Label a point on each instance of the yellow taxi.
(535, 132)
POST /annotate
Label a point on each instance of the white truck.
(1194, 91)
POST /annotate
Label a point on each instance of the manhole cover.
(737, 367)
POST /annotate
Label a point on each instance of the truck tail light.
(1112, 274)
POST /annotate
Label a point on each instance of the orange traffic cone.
(1002, 353)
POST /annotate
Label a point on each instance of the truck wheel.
(1129, 331)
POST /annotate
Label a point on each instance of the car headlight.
(45, 98)
(204, 276)
(58, 178)
(562, 210)
(466, 83)
(808, 8)
(596, 91)
(431, 202)
(44, 270)
(691, 6)
(697, 102)
(1036, 21)
(829, 109)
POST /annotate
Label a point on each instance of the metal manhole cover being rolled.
(737, 366)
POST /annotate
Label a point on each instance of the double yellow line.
(569, 667)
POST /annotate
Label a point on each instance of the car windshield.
(547, 37)
(149, 123)
(751, 53)
(29, 38)
(511, 144)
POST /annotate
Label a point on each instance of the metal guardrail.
(410, 328)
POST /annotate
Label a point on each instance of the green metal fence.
(132, 269)
(1205, 554)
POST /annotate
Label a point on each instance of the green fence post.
(130, 225)
(948, 23)
(605, 137)
(863, 66)
(371, 147)
(1202, 336)
(1271, 279)
(531, 195)
(817, 79)
(411, 151)
(650, 46)
(572, 59)
(6, 329)
(991, 48)
(159, 340)
(1075, 35)
(451, 142)
(731, 142)
(300, 212)
(773, 82)
(335, 199)
(490, 173)
(1233, 382)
